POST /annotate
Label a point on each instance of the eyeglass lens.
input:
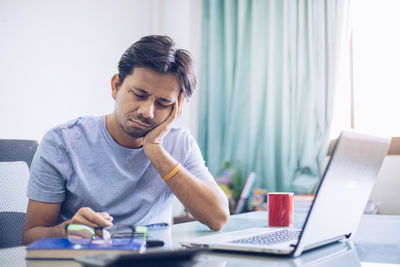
(80, 234)
(119, 234)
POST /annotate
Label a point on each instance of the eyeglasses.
(118, 235)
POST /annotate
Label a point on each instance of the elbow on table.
(24, 241)
(219, 220)
(27, 238)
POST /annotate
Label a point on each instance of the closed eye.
(161, 105)
(141, 97)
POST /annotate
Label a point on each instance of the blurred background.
(278, 80)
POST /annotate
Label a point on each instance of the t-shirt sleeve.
(46, 182)
(194, 161)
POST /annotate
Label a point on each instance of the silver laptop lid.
(344, 189)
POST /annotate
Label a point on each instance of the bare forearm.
(205, 200)
(38, 232)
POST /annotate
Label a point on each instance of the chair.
(15, 160)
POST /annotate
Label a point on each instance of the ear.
(115, 85)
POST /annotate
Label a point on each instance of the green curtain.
(266, 87)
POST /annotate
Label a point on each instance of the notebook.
(61, 248)
(338, 205)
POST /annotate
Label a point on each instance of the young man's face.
(144, 100)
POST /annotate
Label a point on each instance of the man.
(124, 168)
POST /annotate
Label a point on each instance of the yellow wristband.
(172, 173)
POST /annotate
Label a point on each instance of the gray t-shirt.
(80, 164)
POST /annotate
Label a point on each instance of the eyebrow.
(169, 101)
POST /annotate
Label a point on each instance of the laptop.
(336, 211)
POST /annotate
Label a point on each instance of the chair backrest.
(12, 150)
(15, 159)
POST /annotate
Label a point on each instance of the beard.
(134, 131)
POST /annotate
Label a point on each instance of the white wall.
(57, 57)
(387, 187)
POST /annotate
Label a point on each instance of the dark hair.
(158, 52)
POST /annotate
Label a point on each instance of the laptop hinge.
(324, 242)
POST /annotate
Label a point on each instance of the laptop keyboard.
(270, 238)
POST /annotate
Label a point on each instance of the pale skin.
(146, 105)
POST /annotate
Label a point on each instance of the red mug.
(280, 209)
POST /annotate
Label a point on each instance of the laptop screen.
(344, 189)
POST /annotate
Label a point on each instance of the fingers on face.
(179, 105)
(176, 109)
(181, 102)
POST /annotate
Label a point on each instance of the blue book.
(61, 248)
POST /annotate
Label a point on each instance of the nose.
(146, 109)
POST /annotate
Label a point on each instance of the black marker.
(151, 243)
